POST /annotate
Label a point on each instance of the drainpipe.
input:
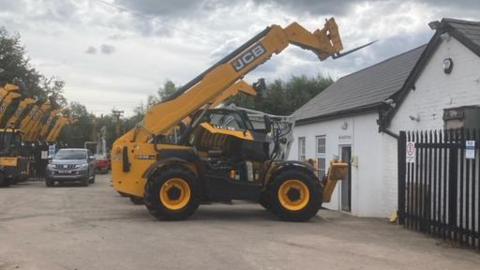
(381, 124)
(388, 132)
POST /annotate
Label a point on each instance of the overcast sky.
(113, 53)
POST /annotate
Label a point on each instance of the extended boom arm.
(213, 82)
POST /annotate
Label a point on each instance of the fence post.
(452, 184)
(402, 163)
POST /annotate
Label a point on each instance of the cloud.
(91, 50)
(107, 49)
(155, 7)
(159, 40)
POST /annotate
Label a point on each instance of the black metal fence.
(438, 184)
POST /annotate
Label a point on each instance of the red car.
(103, 165)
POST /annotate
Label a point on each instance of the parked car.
(102, 163)
(71, 165)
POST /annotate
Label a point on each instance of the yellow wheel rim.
(175, 193)
(293, 195)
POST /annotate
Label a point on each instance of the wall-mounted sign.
(470, 149)
(51, 150)
(411, 152)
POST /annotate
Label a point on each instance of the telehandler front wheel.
(136, 200)
(295, 196)
(172, 194)
(265, 201)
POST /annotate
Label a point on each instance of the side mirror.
(268, 123)
(91, 157)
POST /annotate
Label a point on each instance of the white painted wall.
(436, 90)
(362, 134)
(374, 181)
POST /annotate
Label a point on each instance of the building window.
(301, 148)
(320, 154)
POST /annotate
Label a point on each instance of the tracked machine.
(187, 152)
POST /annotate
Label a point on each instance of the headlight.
(82, 166)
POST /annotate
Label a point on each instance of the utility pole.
(117, 114)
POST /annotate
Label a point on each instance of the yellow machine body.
(14, 165)
(141, 153)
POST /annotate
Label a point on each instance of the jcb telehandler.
(217, 154)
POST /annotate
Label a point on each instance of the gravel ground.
(73, 227)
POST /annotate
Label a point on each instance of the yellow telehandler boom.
(41, 116)
(33, 117)
(19, 112)
(55, 132)
(220, 155)
(214, 81)
(8, 94)
(46, 126)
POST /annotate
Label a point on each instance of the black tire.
(4, 182)
(85, 182)
(152, 194)
(265, 201)
(14, 180)
(49, 182)
(136, 200)
(92, 181)
(309, 210)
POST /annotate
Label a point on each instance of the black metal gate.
(438, 184)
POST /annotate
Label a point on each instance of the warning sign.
(411, 152)
(470, 149)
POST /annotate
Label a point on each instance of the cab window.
(226, 120)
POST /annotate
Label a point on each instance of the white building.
(359, 116)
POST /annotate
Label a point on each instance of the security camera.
(414, 118)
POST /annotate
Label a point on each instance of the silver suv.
(71, 165)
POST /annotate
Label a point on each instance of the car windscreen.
(71, 154)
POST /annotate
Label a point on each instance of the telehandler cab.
(14, 163)
(216, 154)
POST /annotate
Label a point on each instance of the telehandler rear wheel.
(265, 201)
(295, 196)
(172, 194)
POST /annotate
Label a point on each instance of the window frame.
(302, 148)
(321, 157)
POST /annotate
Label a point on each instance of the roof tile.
(363, 88)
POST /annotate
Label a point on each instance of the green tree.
(284, 98)
(77, 134)
(167, 90)
(15, 68)
(163, 92)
